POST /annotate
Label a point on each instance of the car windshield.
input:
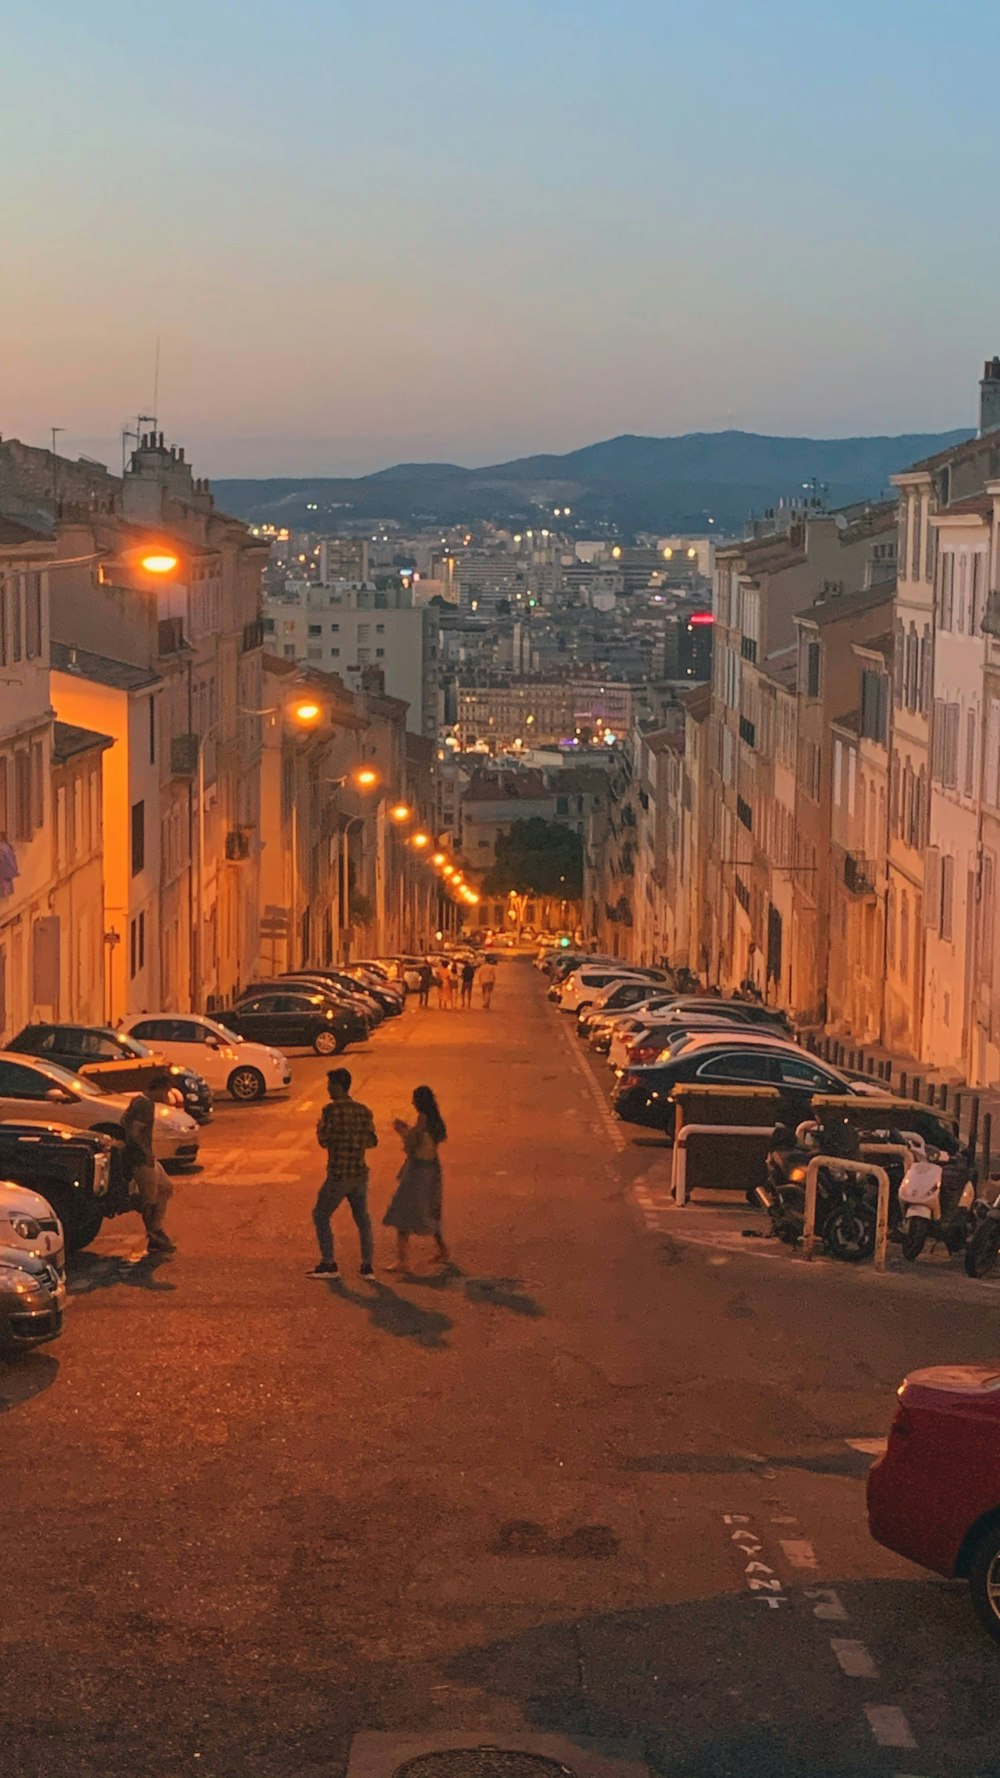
(222, 1031)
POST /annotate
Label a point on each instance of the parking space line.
(889, 1726)
(853, 1658)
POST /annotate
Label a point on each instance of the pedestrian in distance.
(346, 1130)
(426, 979)
(487, 981)
(468, 978)
(147, 1173)
(416, 1204)
(446, 987)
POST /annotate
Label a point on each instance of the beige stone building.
(78, 872)
(29, 939)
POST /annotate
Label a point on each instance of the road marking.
(853, 1658)
(799, 1552)
(889, 1726)
(610, 1125)
(761, 1581)
(869, 1447)
(829, 1607)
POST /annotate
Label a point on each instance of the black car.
(390, 998)
(360, 1018)
(89, 1048)
(642, 1096)
(81, 1173)
(291, 1019)
(30, 1307)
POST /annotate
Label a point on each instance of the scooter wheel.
(983, 1250)
(849, 1235)
(914, 1239)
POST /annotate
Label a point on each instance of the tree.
(537, 857)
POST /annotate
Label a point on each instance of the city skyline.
(421, 234)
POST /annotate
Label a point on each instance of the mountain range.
(631, 483)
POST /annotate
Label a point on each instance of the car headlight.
(26, 1227)
(12, 1278)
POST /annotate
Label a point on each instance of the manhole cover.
(481, 1762)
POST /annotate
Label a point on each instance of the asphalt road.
(598, 1483)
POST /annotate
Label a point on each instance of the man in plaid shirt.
(346, 1130)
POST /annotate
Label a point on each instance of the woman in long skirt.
(416, 1203)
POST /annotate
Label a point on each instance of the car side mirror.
(212, 1043)
(59, 1096)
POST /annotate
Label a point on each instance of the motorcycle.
(845, 1213)
(983, 1249)
(936, 1198)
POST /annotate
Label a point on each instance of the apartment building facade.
(29, 975)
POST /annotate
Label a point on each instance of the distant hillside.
(638, 484)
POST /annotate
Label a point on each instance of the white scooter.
(920, 1198)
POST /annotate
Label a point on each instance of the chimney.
(989, 397)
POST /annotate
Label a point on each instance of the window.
(336, 653)
(379, 653)
(812, 670)
(138, 838)
(32, 616)
(946, 605)
(874, 705)
(133, 949)
(794, 1073)
(16, 632)
(915, 538)
(744, 813)
(37, 766)
(904, 935)
(971, 725)
(22, 796)
(315, 629)
(741, 1065)
(20, 1082)
(152, 731)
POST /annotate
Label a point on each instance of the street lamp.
(420, 840)
(401, 812)
(438, 860)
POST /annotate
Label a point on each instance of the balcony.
(859, 874)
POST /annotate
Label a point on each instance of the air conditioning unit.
(184, 756)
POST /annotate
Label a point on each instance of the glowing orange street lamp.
(438, 860)
(420, 840)
(306, 712)
(159, 561)
(449, 870)
(401, 812)
(366, 778)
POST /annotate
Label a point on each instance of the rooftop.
(880, 645)
(68, 740)
(119, 675)
(833, 610)
(13, 533)
(505, 787)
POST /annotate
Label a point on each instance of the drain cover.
(481, 1762)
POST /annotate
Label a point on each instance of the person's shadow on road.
(101, 1271)
(393, 1314)
(496, 1293)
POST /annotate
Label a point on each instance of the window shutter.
(971, 724)
(991, 763)
(932, 888)
(951, 746)
(947, 896)
(937, 740)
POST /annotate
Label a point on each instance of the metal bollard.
(917, 1088)
(904, 1081)
(943, 1096)
(974, 1124)
(956, 1111)
(870, 1064)
(987, 1147)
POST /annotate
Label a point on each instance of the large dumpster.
(721, 1136)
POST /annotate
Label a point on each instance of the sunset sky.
(372, 230)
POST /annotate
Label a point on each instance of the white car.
(33, 1091)
(582, 987)
(30, 1226)
(230, 1064)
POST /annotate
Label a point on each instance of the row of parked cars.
(64, 1089)
(656, 1039)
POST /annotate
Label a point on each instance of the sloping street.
(602, 1480)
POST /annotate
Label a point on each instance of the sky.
(357, 232)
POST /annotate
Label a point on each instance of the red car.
(935, 1495)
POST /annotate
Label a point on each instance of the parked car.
(334, 981)
(35, 1091)
(618, 996)
(31, 1311)
(81, 1174)
(120, 1063)
(295, 1019)
(580, 989)
(388, 995)
(934, 1497)
(642, 1095)
(363, 1014)
(246, 1071)
(30, 1226)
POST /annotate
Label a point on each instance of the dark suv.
(81, 1173)
(120, 1063)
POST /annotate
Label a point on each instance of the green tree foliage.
(537, 858)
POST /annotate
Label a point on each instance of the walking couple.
(346, 1130)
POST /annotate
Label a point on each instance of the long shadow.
(833, 1463)
(102, 1271)
(495, 1293)
(716, 1688)
(23, 1375)
(393, 1314)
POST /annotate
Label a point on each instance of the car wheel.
(80, 1220)
(983, 1250)
(984, 1581)
(246, 1084)
(327, 1043)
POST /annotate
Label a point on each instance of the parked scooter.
(983, 1249)
(936, 1198)
(845, 1213)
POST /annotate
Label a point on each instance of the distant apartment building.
(485, 578)
(343, 558)
(29, 953)
(347, 628)
(505, 712)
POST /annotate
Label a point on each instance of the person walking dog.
(416, 1203)
(346, 1130)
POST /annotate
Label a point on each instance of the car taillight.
(640, 1053)
(629, 1080)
